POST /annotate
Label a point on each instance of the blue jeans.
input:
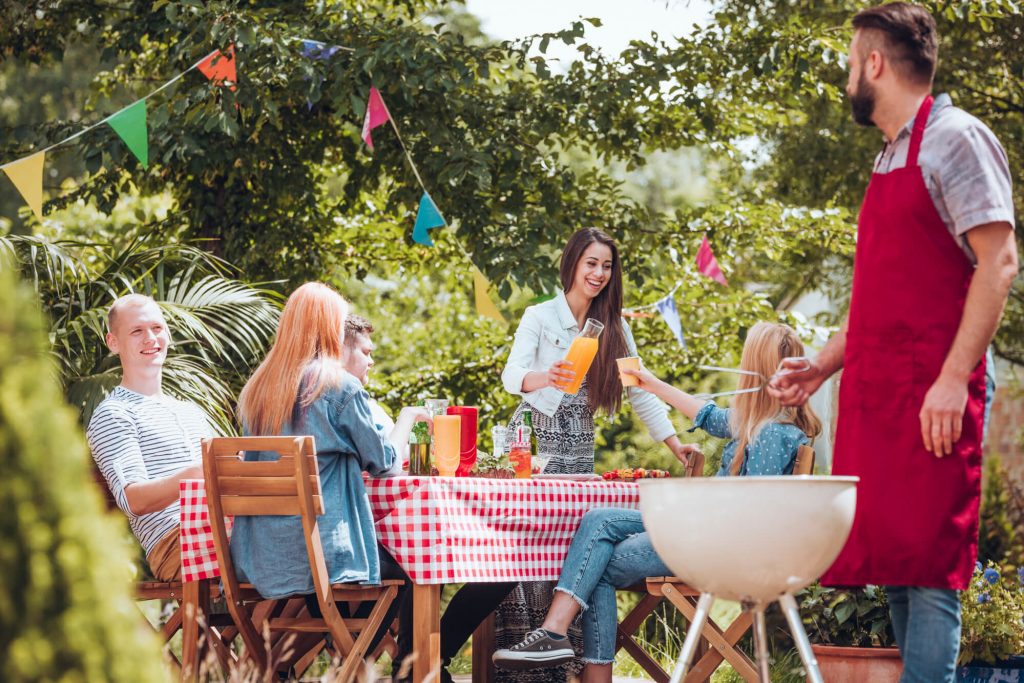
(926, 622)
(610, 550)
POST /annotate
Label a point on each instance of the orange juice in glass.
(447, 438)
(581, 353)
(520, 456)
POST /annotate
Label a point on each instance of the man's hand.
(796, 382)
(942, 415)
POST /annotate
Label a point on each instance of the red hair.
(306, 356)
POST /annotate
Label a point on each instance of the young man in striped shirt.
(144, 442)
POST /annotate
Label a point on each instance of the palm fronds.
(220, 326)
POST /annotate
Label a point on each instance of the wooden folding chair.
(716, 645)
(287, 486)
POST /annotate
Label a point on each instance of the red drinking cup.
(467, 442)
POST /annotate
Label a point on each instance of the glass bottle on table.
(419, 450)
(581, 354)
(528, 422)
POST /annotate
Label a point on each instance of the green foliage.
(856, 617)
(66, 609)
(999, 540)
(992, 610)
(219, 326)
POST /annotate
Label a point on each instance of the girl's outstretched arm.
(680, 400)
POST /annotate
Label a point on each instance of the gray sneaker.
(537, 650)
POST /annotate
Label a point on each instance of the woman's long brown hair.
(604, 388)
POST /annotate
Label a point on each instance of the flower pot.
(858, 664)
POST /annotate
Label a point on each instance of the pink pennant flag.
(376, 115)
(708, 264)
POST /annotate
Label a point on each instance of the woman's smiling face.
(593, 270)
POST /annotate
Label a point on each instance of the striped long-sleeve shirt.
(136, 438)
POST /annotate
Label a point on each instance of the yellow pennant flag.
(27, 176)
(484, 305)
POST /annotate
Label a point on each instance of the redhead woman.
(302, 388)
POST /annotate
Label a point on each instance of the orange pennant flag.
(220, 67)
(27, 176)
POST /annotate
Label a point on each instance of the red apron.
(917, 515)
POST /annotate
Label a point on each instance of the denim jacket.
(270, 551)
(772, 452)
(543, 337)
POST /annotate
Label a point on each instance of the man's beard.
(863, 102)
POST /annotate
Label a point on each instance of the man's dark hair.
(908, 38)
(356, 325)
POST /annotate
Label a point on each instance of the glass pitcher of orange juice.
(581, 353)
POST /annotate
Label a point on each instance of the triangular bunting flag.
(708, 264)
(668, 310)
(484, 304)
(27, 176)
(130, 124)
(376, 115)
(220, 67)
(314, 49)
(427, 218)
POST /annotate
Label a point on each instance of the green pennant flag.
(130, 124)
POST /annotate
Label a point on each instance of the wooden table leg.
(426, 633)
(195, 603)
(483, 648)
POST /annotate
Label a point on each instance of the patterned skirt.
(568, 438)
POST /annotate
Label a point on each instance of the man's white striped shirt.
(136, 438)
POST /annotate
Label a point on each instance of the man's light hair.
(124, 302)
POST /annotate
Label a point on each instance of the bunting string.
(130, 123)
(118, 112)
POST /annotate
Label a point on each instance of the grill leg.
(692, 636)
(803, 645)
(761, 643)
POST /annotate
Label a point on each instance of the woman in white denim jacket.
(591, 278)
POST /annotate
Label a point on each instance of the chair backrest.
(695, 466)
(287, 486)
(804, 460)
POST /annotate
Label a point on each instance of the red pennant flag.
(220, 67)
(708, 264)
(376, 115)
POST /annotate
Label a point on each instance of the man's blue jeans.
(610, 550)
(926, 622)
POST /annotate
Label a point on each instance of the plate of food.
(634, 473)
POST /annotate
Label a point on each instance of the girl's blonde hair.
(307, 351)
(767, 344)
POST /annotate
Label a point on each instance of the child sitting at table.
(611, 549)
(302, 388)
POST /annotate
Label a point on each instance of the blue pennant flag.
(668, 310)
(427, 218)
(314, 49)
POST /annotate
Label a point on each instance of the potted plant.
(992, 638)
(851, 633)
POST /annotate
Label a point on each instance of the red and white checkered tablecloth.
(450, 530)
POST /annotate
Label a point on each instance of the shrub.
(856, 617)
(998, 537)
(66, 610)
(993, 615)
